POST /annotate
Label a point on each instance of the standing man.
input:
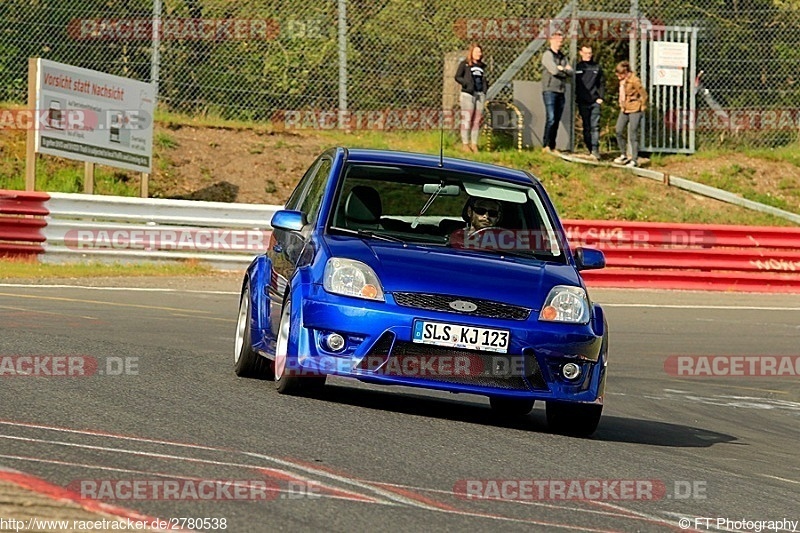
(555, 73)
(590, 90)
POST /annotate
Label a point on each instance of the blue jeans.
(554, 108)
(590, 115)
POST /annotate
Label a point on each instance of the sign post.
(91, 116)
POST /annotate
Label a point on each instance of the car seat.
(363, 208)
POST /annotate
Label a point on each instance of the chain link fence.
(389, 62)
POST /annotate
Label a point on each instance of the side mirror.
(589, 259)
(288, 220)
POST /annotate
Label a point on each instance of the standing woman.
(471, 75)
(632, 101)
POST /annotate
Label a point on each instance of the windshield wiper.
(365, 233)
(516, 253)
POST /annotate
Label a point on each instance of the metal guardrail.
(62, 227)
(22, 222)
(122, 229)
(156, 210)
(691, 256)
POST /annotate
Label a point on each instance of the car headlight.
(352, 278)
(566, 304)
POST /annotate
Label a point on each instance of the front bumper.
(379, 348)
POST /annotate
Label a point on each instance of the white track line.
(355, 497)
(720, 307)
(364, 485)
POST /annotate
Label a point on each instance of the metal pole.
(156, 39)
(573, 59)
(343, 64)
(633, 35)
(30, 145)
(632, 53)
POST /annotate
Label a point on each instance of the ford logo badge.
(461, 305)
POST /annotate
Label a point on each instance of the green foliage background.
(748, 49)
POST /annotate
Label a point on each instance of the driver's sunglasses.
(480, 211)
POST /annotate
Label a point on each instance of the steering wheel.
(490, 238)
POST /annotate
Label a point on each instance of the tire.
(510, 406)
(285, 382)
(575, 419)
(246, 362)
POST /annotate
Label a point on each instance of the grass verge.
(31, 269)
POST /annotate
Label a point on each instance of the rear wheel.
(288, 379)
(510, 406)
(576, 419)
(246, 362)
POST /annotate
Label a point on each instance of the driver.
(479, 213)
(482, 213)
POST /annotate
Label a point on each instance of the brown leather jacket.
(635, 95)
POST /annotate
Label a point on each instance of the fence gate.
(668, 67)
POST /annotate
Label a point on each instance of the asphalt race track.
(150, 396)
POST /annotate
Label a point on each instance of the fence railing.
(60, 227)
(352, 61)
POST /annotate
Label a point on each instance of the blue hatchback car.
(417, 270)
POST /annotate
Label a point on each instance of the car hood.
(433, 270)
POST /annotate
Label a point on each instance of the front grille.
(500, 371)
(378, 354)
(440, 302)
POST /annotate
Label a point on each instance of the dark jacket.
(589, 82)
(464, 77)
(554, 80)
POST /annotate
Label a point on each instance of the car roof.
(363, 155)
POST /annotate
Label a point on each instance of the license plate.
(456, 336)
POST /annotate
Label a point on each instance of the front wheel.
(246, 362)
(288, 377)
(578, 419)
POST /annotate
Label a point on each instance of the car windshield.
(442, 207)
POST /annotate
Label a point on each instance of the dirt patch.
(252, 166)
(231, 165)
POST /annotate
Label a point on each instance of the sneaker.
(555, 152)
(594, 157)
(546, 149)
(621, 160)
(632, 163)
